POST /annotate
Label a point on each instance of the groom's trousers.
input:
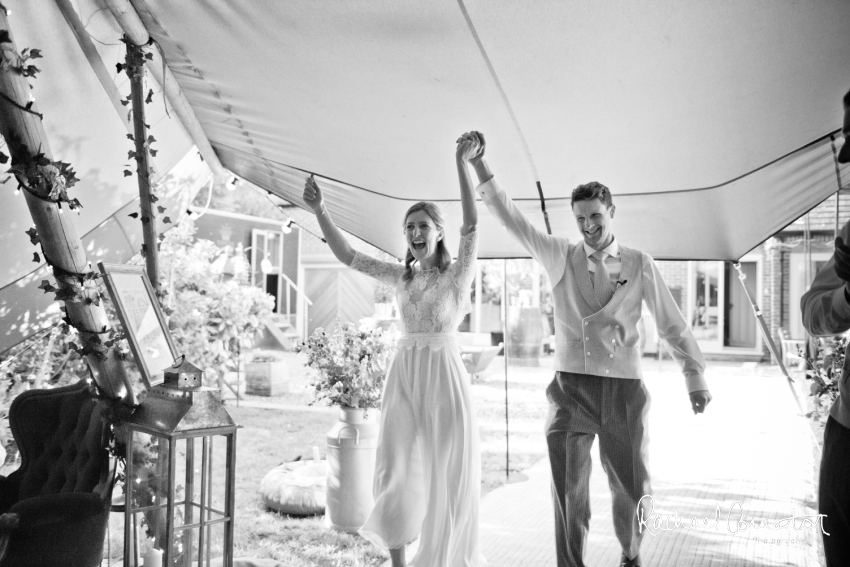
(615, 409)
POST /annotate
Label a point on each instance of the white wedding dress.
(428, 466)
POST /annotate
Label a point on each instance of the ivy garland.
(134, 66)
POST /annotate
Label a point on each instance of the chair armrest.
(58, 508)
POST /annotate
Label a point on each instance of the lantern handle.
(356, 434)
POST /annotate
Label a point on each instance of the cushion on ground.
(296, 488)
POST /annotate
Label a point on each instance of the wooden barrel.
(525, 335)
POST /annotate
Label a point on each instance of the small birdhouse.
(183, 375)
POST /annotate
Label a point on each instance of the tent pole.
(771, 345)
(60, 243)
(505, 341)
(132, 25)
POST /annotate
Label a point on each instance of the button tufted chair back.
(62, 440)
(55, 507)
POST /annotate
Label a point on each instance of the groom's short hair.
(590, 191)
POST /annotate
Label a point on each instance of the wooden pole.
(134, 65)
(25, 137)
(127, 17)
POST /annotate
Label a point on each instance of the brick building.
(712, 298)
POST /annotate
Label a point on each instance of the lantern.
(181, 452)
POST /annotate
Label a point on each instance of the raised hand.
(469, 146)
(313, 195)
(481, 145)
(842, 260)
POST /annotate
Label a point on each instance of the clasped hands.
(470, 146)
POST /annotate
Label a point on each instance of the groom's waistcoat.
(602, 341)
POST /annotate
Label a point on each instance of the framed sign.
(143, 321)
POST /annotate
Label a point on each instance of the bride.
(428, 466)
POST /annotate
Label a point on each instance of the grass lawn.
(269, 437)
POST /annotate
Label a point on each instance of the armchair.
(55, 506)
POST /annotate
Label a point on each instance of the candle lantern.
(181, 451)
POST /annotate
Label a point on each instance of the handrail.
(298, 289)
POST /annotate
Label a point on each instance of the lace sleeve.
(384, 272)
(465, 264)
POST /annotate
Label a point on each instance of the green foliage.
(824, 373)
(212, 319)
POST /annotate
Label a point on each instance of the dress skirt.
(428, 465)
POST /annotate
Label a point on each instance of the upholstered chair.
(55, 507)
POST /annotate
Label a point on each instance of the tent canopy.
(685, 110)
(710, 121)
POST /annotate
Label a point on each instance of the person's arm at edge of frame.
(674, 330)
(337, 242)
(826, 304)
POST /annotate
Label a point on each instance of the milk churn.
(352, 445)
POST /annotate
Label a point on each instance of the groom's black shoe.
(626, 562)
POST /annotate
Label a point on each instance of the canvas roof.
(710, 121)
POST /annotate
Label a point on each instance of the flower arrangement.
(351, 364)
(824, 373)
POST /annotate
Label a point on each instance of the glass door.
(705, 315)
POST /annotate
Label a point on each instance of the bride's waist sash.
(432, 340)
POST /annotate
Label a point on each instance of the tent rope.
(771, 346)
(838, 179)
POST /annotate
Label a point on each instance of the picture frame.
(142, 318)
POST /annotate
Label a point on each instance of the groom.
(598, 286)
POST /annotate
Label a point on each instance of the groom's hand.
(699, 400)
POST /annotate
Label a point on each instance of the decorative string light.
(287, 228)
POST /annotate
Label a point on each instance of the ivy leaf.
(161, 236)
(36, 258)
(35, 53)
(151, 139)
(133, 215)
(67, 294)
(127, 173)
(166, 219)
(149, 55)
(149, 98)
(46, 286)
(131, 154)
(3, 158)
(28, 105)
(125, 102)
(119, 67)
(153, 152)
(154, 198)
(40, 159)
(30, 71)
(4, 36)
(130, 137)
(144, 251)
(75, 204)
(161, 209)
(33, 234)
(167, 310)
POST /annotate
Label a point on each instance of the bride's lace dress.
(428, 467)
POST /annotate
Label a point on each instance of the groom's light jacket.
(591, 339)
